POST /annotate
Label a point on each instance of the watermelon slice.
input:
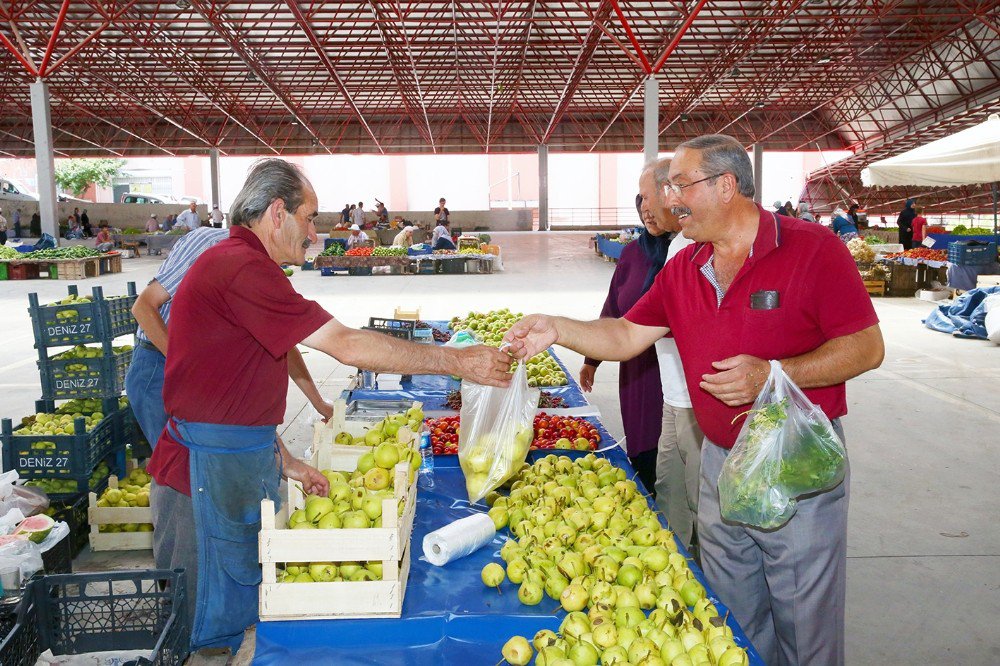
(36, 528)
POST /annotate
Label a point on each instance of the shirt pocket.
(761, 330)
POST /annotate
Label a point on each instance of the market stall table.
(449, 616)
(154, 242)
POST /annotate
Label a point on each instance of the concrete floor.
(924, 546)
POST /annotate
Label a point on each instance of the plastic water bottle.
(426, 460)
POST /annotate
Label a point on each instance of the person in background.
(152, 226)
(3, 229)
(168, 223)
(779, 207)
(441, 238)
(217, 216)
(76, 215)
(405, 236)
(358, 215)
(381, 215)
(905, 224)
(639, 388)
(919, 226)
(17, 224)
(852, 213)
(843, 226)
(189, 218)
(35, 226)
(804, 213)
(356, 238)
(103, 242)
(345, 216)
(441, 213)
(74, 230)
(85, 223)
(789, 209)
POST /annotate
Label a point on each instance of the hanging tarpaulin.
(969, 157)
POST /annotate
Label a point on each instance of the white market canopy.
(969, 157)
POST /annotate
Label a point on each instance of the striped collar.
(768, 238)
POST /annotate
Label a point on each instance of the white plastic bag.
(30, 501)
(787, 448)
(992, 306)
(496, 433)
(23, 555)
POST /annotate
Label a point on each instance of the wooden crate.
(110, 263)
(405, 312)
(108, 515)
(77, 269)
(389, 544)
(875, 287)
(325, 449)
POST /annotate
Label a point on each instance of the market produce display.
(8, 253)
(924, 253)
(385, 430)
(45, 423)
(389, 251)
(133, 491)
(962, 230)
(861, 251)
(584, 536)
(875, 272)
(490, 327)
(34, 528)
(353, 502)
(75, 252)
(545, 401)
(57, 486)
(335, 250)
(470, 250)
(359, 252)
(82, 352)
(130, 231)
(550, 432)
(439, 335)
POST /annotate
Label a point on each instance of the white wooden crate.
(108, 515)
(338, 600)
(326, 454)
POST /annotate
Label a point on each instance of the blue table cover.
(449, 616)
(941, 240)
(609, 248)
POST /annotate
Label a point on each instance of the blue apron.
(232, 469)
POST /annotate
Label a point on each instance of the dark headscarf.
(654, 247)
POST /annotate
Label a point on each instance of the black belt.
(146, 344)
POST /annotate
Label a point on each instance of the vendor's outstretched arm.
(299, 373)
(602, 339)
(375, 351)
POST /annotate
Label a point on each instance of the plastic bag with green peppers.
(787, 448)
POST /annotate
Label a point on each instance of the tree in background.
(77, 175)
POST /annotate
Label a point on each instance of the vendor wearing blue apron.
(234, 320)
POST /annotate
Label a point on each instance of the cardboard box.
(934, 294)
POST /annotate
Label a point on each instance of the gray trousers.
(678, 463)
(787, 586)
(174, 545)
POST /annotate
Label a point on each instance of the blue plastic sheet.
(449, 616)
(965, 317)
(609, 248)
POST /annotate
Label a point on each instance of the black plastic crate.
(452, 266)
(73, 512)
(382, 324)
(114, 610)
(59, 558)
(359, 270)
(20, 643)
(98, 377)
(103, 318)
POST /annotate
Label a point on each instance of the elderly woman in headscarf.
(843, 226)
(905, 224)
(804, 213)
(640, 393)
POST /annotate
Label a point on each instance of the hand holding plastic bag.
(787, 448)
(497, 428)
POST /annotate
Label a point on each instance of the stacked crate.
(73, 458)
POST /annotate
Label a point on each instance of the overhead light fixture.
(251, 76)
(684, 117)
(735, 72)
(183, 4)
(315, 142)
(760, 105)
(824, 60)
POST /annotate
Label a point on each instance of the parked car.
(139, 198)
(11, 189)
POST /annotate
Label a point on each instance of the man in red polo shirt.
(233, 322)
(756, 286)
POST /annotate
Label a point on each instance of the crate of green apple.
(583, 535)
(346, 554)
(490, 327)
(340, 433)
(568, 433)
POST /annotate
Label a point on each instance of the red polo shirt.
(232, 322)
(820, 297)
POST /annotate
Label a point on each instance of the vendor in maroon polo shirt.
(754, 287)
(233, 322)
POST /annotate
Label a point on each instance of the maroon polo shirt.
(820, 297)
(232, 323)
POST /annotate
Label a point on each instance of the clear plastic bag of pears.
(497, 428)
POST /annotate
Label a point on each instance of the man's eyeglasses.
(679, 189)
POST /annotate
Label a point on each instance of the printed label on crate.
(69, 329)
(67, 384)
(48, 462)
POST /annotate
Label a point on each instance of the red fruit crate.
(22, 271)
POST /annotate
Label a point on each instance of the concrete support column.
(213, 167)
(543, 187)
(41, 119)
(651, 119)
(758, 172)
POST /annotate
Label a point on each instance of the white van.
(139, 198)
(10, 189)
